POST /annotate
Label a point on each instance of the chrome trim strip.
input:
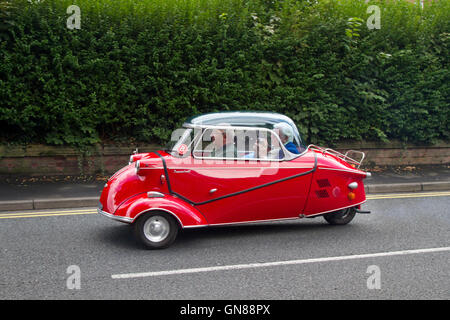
(270, 220)
(111, 216)
(323, 212)
(238, 223)
(131, 220)
(256, 221)
(155, 194)
(273, 220)
(356, 171)
(196, 226)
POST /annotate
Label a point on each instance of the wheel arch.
(156, 210)
(185, 214)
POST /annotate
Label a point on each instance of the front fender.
(186, 214)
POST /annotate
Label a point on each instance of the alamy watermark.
(374, 21)
(74, 20)
(73, 281)
(374, 280)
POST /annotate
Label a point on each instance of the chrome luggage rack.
(339, 155)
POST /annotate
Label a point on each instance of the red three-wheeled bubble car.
(233, 168)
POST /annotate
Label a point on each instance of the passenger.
(260, 150)
(223, 144)
(286, 135)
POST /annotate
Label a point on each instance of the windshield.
(180, 142)
(184, 140)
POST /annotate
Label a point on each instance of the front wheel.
(156, 230)
(340, 217)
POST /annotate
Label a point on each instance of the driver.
(223, 143)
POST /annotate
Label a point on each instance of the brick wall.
(398, 154)
(40, 160)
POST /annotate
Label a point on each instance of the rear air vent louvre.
(322, 193)
(323, 183)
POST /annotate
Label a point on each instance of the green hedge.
(136, 69)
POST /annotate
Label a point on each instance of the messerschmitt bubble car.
(233, 168)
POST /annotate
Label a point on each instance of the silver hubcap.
(156, 229)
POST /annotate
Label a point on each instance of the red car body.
(201, 192)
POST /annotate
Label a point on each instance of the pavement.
(62, 194)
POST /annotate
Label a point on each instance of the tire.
(340, 217)
(156, 230)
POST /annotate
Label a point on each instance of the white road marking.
(276, 263)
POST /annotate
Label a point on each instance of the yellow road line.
(408, 195)
(45, 212)
(34, 215)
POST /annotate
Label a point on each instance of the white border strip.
(276, 263)
(301, 216)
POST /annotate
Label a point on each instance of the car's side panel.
(187, 215)
(240, 191)
(204, 181)
(278, 201)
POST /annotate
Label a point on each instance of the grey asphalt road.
(38, 248)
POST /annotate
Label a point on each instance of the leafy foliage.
(6, 20)
(136, 69)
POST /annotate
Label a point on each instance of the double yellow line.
(408, 195)
(33, 214)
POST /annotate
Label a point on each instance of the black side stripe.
(235, 193)
(166, 173)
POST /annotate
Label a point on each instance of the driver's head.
(218, 137)
(284, 131)
(221, 137)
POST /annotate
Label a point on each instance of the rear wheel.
(156, 230)
(340, 217)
